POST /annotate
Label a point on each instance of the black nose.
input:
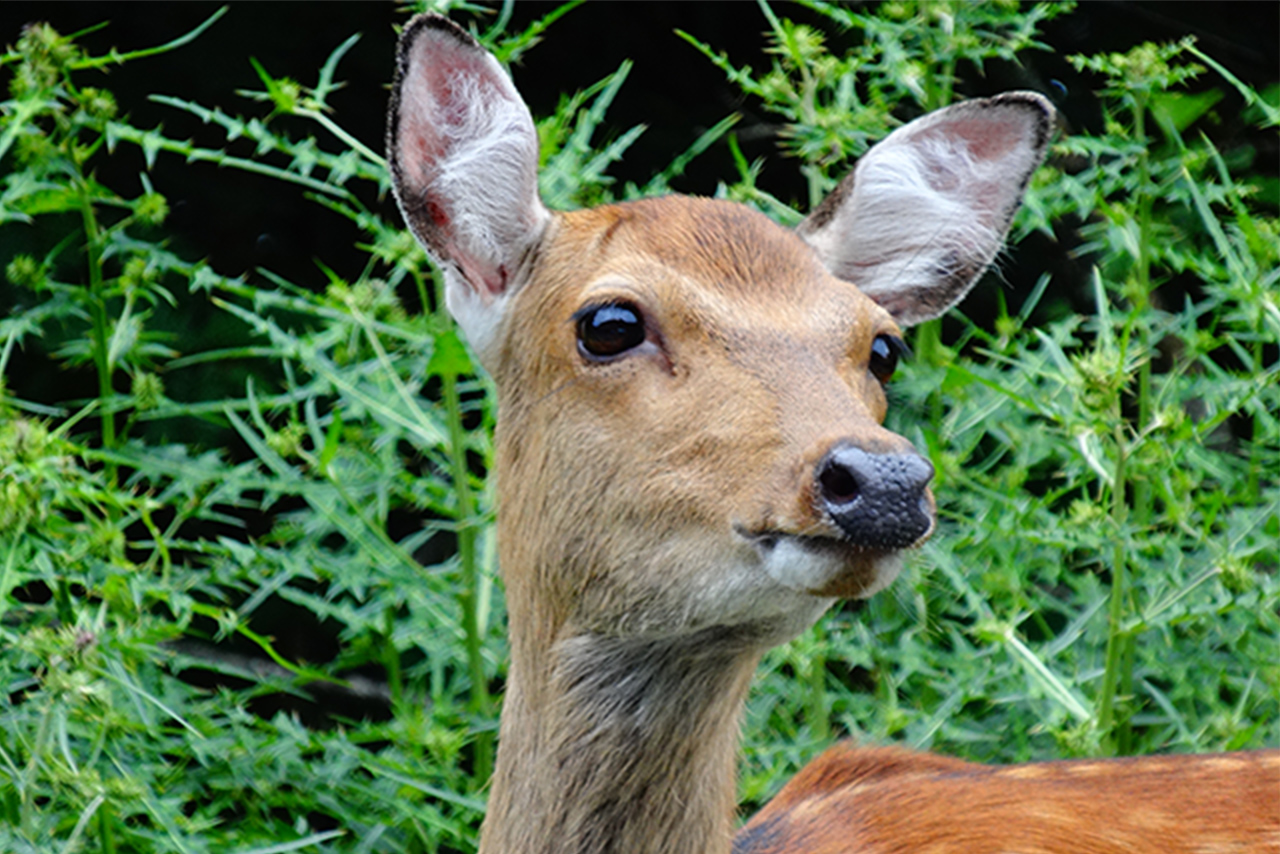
(877, 500)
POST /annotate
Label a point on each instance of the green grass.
(1103, 581)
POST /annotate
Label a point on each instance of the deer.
(691, 468)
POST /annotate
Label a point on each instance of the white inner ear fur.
(926, 210)
(478, 315)
(912, 206)
(488, 179)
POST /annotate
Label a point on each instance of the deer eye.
(607, 331)
(885, 351)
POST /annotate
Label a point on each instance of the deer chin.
(825, 566)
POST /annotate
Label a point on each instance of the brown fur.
(893, 801)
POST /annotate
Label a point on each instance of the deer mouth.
(823, 566)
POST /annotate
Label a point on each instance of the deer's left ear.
(926, 210)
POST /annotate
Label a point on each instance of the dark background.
(240, 221)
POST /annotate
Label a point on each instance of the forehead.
(726, 247)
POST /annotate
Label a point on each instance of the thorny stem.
(1116, 635)
(928, 346)
(104, 830)
(1118, 676)
(468, 528)
(1142, 487)
(1141, 297)
(101, 325)
(391, 659)
(819, 714)
(1256, 465)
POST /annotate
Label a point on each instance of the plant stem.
(101, 334)
(104, 830)
(468, 526)
(391, 658)
(1256, 465)
(819, 714)
(938, 86)
(1142, 300)
(1116, 634)
(928, 344)
(1142, 500)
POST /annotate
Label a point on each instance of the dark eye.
(885, 350)
(605, 331)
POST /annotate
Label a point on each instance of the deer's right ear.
(463, 153)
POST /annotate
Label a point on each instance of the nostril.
(878, 500)
(839, 486)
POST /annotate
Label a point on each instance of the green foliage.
(125, 560)
(1104, 580)
(835, 106)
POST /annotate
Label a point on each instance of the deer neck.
(619, 745)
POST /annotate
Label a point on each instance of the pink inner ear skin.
(435, 100)
(426, 148)
(438, 214)
(987, 140)
(446, 78)
(418, 146)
